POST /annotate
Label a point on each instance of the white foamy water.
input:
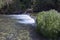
(20, 16)
(23, 18)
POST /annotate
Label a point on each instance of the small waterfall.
(22, 19)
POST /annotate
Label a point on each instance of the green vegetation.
(21, 4)
(48, 23)
(14, 5)
(4, 2)
(37, 5)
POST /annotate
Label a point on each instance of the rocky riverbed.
(10, 30)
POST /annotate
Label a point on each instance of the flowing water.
(18, 27)
(21, 19)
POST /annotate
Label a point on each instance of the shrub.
(48, 23)
(4, 2)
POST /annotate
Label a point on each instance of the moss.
(48, 23)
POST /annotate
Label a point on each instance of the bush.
(4, 2)
(48, 23)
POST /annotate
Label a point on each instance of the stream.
(18, 27)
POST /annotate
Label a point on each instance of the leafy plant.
(4, 2)
(48, 23)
